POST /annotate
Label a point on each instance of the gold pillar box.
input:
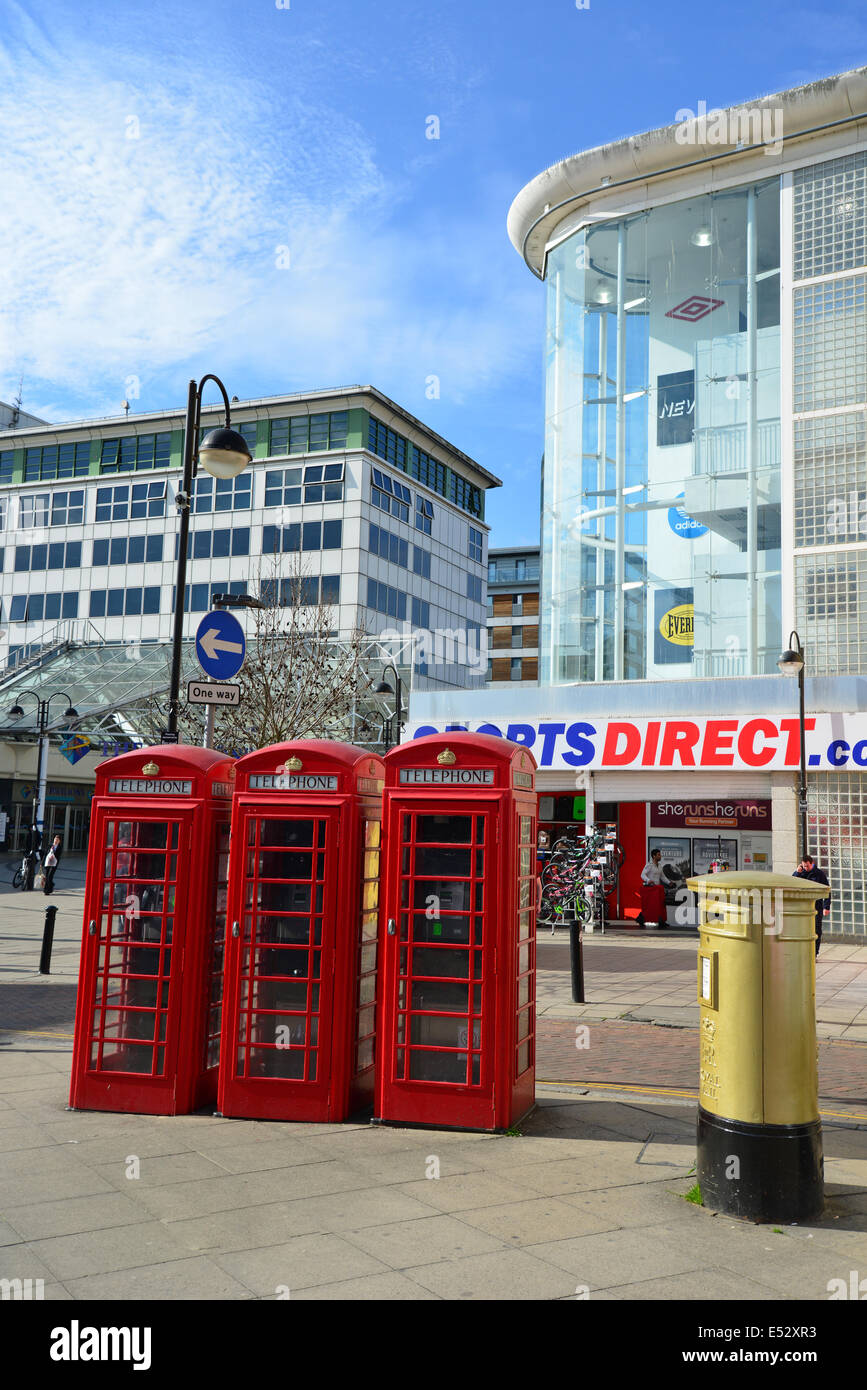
(760, 1152)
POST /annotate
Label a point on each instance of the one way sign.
(220, 645)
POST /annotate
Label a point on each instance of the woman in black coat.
(51, 869)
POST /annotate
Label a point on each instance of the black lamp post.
(791, 663)
(223, 453)
(17, 712)
(385, 689)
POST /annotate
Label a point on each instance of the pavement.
(586, 1201)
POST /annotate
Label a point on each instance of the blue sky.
(157, 156)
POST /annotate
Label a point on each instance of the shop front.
(706, 772)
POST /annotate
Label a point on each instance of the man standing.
(652, 891)
(52, 859)
(808, 868)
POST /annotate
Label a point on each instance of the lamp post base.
(760, 1172)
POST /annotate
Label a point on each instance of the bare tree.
(299, 678)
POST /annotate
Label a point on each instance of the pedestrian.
(542, 850)
(652, 892)
(52, 859)
(724, 867)
(808, 868)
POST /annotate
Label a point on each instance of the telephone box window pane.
(437, 1066)
(285, 897)
(365, 1056)
(443, 1032)
(523, 1057)
(456, 830)
(124, 1056)
(447, 930)
(285, 864)
(283, 931)
(453, 896)
(441, 860)
(280, 1064)
(287, 833)
(523, 990)
(443, 996)
(444, 963)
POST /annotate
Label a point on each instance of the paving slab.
(507, 1275)
(75, 1215)
(406, 1243)
(197, 1279)
(391, 1288)
(300, 1263)
(539, 1219)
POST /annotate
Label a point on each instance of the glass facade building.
(705, 466)
(661, 499)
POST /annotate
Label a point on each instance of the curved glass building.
(677, 340)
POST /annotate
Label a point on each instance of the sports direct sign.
(768, 742)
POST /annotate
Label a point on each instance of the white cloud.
(140, 255)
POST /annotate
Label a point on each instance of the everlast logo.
(678, 624)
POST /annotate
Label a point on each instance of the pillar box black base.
(780, 1169)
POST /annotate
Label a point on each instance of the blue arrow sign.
(220, 645)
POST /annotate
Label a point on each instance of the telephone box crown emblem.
(446, 756)
(150, 769)
(294, 764)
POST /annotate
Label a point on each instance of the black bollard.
(576, 953)
(47, 940)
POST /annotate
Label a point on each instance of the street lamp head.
(70, 713)
(791, 663)
(16, 712)
(383, 689)
(223, 453)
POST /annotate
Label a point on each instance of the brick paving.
(653, 1055)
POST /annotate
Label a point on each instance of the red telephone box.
(457, 983)
(147, 1018)
(299, 1014)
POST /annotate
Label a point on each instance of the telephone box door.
(280, 976)
(439, 988)
(135, 944)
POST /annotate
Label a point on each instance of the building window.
(35, 608)
(7, 464)
(120, 503)
(222, 494)
(67, 508)
(321, 483)
(57, 461)
(132, 550)
(421, 613)
(56, 556)
(515, 668)
(33, 513)
(383, 599)
(466, 495)
(423, 515)
(224, 541)
(306, 434)
(429, 471)
(133, 451)
(386, 443)
(116, 603)
(390, 495)
(303, 591)
(421, 561)
(474, 588)
(475, 545)
(308, 535)
(388, 546)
